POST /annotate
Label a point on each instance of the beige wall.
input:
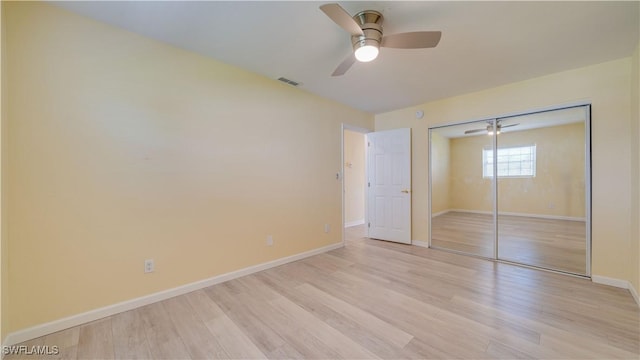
(469, 191)
(4, 263)
(123, 149)
(441, 165)
(558, 189)
(606, 86)
(354, 176)
(635, 170)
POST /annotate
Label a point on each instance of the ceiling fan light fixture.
(366, 51)
(490, 129)
(365, 28)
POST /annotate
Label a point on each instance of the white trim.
(356, 128)
(540, 216)
(543, 216)
(79, 319)
(440, 213)
(619, 283)
(604, 280)
(354, 223)
(634, 293)
(420, 243)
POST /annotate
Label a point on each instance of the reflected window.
(516, 161)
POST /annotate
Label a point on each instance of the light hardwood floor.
(548, 243)
(374, 299)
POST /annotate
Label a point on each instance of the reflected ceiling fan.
(489, 128)
(365, 28)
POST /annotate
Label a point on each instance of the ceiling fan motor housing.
(370, 22)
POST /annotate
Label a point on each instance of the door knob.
(406, 191)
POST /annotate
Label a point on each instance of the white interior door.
(389, 185)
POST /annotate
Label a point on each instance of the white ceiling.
(484, 44)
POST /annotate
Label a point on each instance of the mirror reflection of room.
(541, 189)
(462, 201)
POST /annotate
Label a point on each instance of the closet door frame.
(494, 183)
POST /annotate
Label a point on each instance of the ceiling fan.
(489, 128)
(365, 28)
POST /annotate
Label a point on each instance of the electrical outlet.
(269, 240)
(327, 228)
(149, 266)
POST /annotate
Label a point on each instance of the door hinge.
(369, 225)
(368, 143)
(368, 184)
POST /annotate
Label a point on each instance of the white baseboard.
(604, 280)
(539, 216)
(354, 223)
(619, 283)
(79, 319)
(440, 213)
(634, 293)
(420, 243)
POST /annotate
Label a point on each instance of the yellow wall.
(469, 190)
(635, 170)
(354, 176)
(606, 86)
(123, 148)
(441, 165)
(558, 189)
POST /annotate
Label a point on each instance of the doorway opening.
(354, 178)
(354, 192)
(376, 184)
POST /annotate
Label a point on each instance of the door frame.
(364, 132)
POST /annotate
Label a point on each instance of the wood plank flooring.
(548, 243)
(373, 299)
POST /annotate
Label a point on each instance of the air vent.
(287, 81)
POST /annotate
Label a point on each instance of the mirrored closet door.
(461, 198)
(514, 189)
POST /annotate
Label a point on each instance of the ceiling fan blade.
(510, 125)
(474, 131)
(336, 13)
(344, 65)
(412, 40)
